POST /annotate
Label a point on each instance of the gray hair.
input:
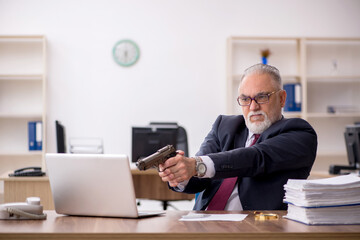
(260, 68)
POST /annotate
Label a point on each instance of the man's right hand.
(177, 169)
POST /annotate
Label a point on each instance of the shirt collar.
(251, 134)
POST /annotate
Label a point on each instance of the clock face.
(126, 53)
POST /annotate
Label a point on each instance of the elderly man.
(245, 160)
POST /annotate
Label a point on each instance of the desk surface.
(168, 227)
(134, 171)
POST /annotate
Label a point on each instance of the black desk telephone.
(27, 172)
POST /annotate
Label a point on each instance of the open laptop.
(93, 185)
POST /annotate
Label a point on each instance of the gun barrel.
(156, 158)
(146, 163)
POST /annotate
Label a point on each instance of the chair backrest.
(60, 137)
(181, 141)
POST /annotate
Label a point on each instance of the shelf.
(17, 154)
(292, 114)
(22, 98)
(261, 40)
(328, 70)
(21, 77)
(22, 55)
(332, 41)
(333, 79)
(333, 115)
(14, 38)
(20, 115)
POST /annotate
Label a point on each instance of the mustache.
(256, 113)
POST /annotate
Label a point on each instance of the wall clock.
(126, 53)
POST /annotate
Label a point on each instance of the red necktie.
(218, 202)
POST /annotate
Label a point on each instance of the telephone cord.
(25, 214)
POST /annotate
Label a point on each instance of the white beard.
(256, 127)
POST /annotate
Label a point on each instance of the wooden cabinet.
(22, 99)
(328, 70)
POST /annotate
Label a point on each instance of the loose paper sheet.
(212, 217)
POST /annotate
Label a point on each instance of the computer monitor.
(147, 140)
(60, 137)
(352, 142)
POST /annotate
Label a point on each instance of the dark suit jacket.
(285, 150)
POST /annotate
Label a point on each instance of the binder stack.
(333, 200)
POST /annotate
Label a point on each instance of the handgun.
(157, 158)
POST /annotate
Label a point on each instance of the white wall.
(181, 72)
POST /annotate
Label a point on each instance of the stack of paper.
(333, 200)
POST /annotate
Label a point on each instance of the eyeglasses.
(259, 99)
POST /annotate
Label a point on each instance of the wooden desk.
(17, 189)
(148, 185)
(168, 227)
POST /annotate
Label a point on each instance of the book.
(32, 136)
(35, 137)
(293, 98)
(39, 136)
(333, 200)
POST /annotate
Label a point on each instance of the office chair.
(181, 143)
(60, 137)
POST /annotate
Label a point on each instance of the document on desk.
(212, 217)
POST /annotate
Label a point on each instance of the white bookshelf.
(329, 72)
(22, 99)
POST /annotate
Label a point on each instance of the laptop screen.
(92, 184)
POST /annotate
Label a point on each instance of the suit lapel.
(240, 139)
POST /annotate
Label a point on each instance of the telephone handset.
(27, 171)
(31, 209)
